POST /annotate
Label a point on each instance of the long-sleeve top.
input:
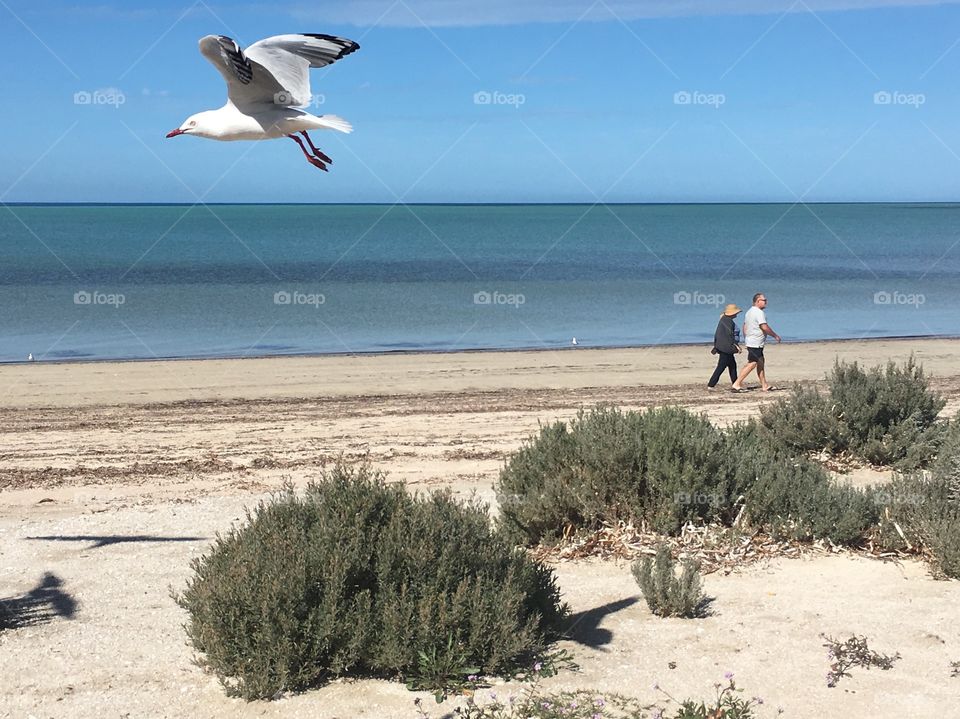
(724, 339)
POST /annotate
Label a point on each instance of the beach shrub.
(804, 421)
(665, 467)
(922, 509)
(947, 464)
(886, 412)
(793, 497)
(884, 415)
(354, 576)
(666, 594)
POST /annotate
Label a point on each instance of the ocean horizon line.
(460, 351)
(772, 203)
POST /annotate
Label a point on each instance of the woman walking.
(725, 346)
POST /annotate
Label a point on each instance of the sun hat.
(732, 310)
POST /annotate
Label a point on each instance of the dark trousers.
(727, 361)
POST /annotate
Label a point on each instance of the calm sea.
(105, 282)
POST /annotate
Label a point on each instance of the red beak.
(174, 133)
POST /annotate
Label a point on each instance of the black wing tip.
(234, 54)
(347, 46)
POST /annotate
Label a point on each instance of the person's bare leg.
(762, 374)
(744, 373)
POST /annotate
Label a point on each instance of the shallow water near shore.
(124, 282)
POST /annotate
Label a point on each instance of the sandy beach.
(115, 475)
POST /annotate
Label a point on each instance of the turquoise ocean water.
(110, 282)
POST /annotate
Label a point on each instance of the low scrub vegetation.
(884, 415)
(921, 509)
(663, 468)
(533, 703)
(853, 652)
(666, 594)
(354, 576)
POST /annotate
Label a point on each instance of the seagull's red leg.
(315, 150)
(315, 161)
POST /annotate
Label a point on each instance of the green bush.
(922, 509)
(793, 496)
(358, 577)
(609, 465)
(884, 415)
(666, 594)
(884, 410)
(665, 467)
(804, 421)
(947, 464)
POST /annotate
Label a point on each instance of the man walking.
(755, 332)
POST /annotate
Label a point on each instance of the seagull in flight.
(267, 85)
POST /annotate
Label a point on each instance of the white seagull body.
(267, 85)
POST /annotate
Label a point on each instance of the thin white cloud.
(105, 12)
(464, 13)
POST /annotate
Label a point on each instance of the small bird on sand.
(267, 84)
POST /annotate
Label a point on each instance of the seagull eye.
(192, 123)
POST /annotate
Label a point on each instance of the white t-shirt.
(752, 334)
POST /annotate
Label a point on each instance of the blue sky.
(643, 101)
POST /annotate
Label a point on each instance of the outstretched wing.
(289, 59)
(275, 70)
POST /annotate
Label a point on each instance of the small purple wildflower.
(728, 675)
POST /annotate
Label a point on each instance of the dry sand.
(114, 475)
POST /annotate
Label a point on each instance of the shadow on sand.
(103, 540)
(41, 604)
(584, 627)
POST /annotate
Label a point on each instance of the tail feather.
(333, 122)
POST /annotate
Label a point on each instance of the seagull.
(266, 86)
